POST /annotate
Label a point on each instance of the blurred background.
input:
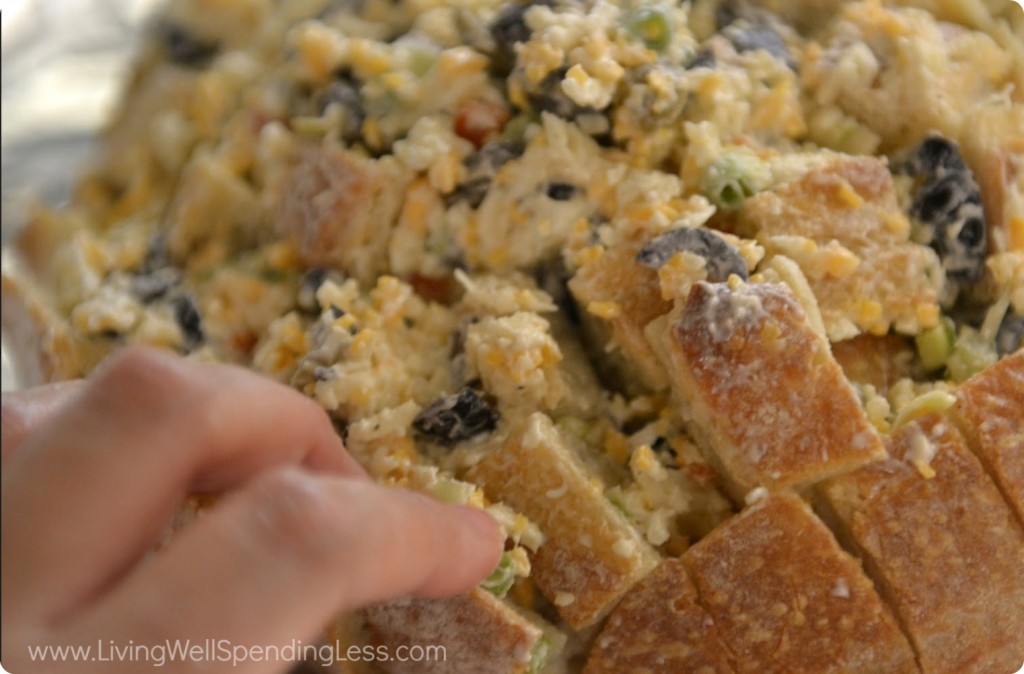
(63, 62)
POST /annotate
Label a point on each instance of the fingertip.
(468, 552)
(486, 528)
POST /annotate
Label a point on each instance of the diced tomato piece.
(477, 120)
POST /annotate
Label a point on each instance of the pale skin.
(94, 470)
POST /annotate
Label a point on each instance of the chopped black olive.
(472, 191)
(321, 373)
(456, 418)
(948, 204)
(936, 154)
(1011, 334)
(493, 156)
(310, 283)
(481, 167)
(155, 284)
(702, 59)
(722, 259)
(344, 91)
(156, 254)
(336, 311)
(508, 30)
(185, 49)
(663, 446)
(746, 35)
(549, 97)
(186, 313)
(561, 191)
(458, 340)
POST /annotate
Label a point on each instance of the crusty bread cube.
(479, 633)
(591, 555)
(852, 202)
(660, 627)
(785, 598)
(42, 346)
(945, 551)
(880, 361)
(990, 411)
(338, 207)
(632, 294)
(761, 391)
(993, 145)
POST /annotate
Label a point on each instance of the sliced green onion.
(935, 346)
(734, 177)
(971, 355)
(500, 580)
(421, 61)
(515, 129)
(652, 26)
(539, 654)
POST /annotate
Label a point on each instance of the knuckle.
(142, 375)
(294, 512)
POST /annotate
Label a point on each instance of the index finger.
(113, 465)
(289, 552)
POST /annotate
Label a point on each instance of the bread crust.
(945, 551)
(660, 627)
(479, 633)
(592, 555)
(990, 412)
(786, 598)
(852, 201)
(616, 277)
(762, 391)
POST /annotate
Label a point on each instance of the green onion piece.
(573, 426)
(971, 355)
(500, 580)
(515, 129)
(935, 346)
(734, 177)
(421, 61)
(539, 654)
(650, 24)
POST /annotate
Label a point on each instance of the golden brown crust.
(592, 555)
(763, 391)
(660, 627)
(479, 634)
(990, 411)
(946, 552)
(786, 598)
(38, 341)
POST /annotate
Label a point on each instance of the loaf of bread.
(717, 307)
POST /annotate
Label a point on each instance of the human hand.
(94, 470)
